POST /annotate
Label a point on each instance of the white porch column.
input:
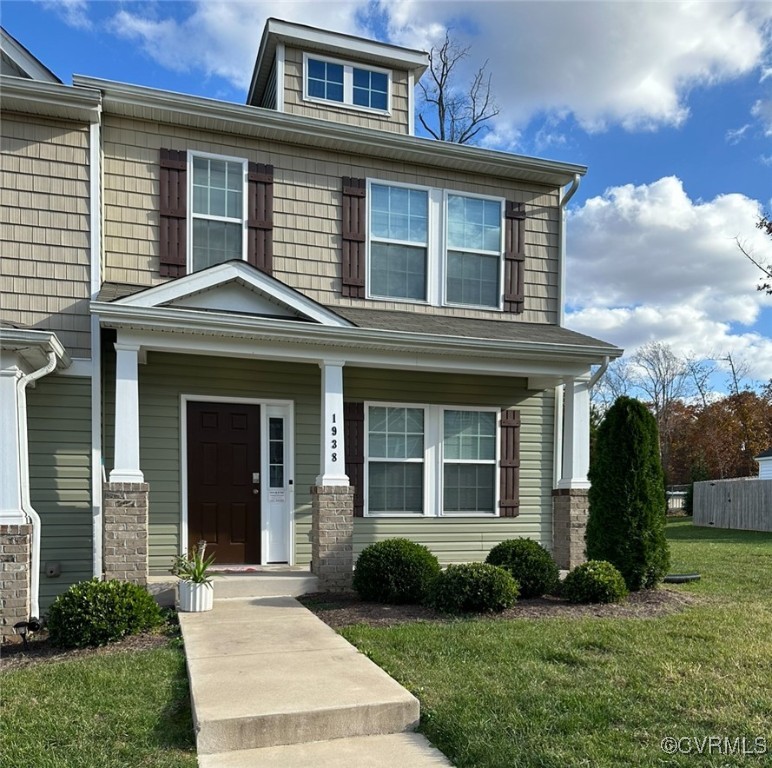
(576, 434)
(126, 458)
(11, 478)
(333, 454)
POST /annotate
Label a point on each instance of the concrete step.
(264, 584)
(408, 750)
(266, 672)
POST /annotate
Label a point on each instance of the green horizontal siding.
(461, 539)
(167, 376)
(59, 430)
(164, 379)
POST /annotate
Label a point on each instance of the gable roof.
(17, 61)
(234, 287)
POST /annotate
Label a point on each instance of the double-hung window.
(430, 460)
(399, 231)
(474, 247)
(469, 461)
(217, 210)
(339, 82)
(395, 440)
(428, 245)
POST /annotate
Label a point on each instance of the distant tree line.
(703, 435)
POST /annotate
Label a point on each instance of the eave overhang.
(34, 97)
(311, 342)
(33, 347)
(140, 103)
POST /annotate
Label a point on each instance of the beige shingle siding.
(307, 218)
(44, 228)
(294, 103)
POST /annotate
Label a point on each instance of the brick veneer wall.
(569, 523)
(125, 513)
(332, 536)
(15, 559)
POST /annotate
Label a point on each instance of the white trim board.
(229, 271)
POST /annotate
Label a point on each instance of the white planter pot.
(196, 597)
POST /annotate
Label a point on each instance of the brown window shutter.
(354, 437)
(354, 237)
(173, 210)
(514, 257)
(509, 464)
(260, 217)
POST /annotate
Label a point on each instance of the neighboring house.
(290, 328)
(764, 460)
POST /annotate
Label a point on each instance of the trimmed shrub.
(395, 571)
(99, 612)
(474, 587)
(596, 581)
(626, 523)
(530, 564)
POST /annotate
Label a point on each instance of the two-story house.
(297, 327)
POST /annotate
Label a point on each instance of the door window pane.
(276, 452)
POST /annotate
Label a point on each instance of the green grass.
(127, 709)
(602, 692)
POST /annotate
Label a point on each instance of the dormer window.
(345, 84)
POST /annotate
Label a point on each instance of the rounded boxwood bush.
(529, 563)
(395, 571)
(474, 587)
(98, 612)
(596, 581)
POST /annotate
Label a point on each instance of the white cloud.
(625, 63)
(648, 263)
(762, 111)
(736, 135)
(72, 12)
(222, 38)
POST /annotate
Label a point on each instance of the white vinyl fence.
(743, 504)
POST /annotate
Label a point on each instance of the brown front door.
(223, 499)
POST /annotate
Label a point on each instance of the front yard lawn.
(112, 709)
(592, 691)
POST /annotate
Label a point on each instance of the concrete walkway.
(272, 685)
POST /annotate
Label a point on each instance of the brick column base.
(569, 523)
(332, 536)
(15, 560)
(125, 513)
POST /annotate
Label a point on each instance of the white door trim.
(289, 408)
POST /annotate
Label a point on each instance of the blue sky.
(668, 103)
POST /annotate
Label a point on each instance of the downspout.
(26, 505)
(557, 462)
(564, 200)
(596, 376)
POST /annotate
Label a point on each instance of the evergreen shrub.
(529, 563)
(474, 588)
(596, 581)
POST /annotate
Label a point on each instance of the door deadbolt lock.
(256, 477)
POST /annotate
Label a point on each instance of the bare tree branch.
(764, 224)
(460, 115)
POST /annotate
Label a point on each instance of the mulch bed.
(40, 651)
(345, 608)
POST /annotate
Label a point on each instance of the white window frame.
(446, 249)
(192, 215)
(433, 460)
(495, 461)
(436, 248)
(348, 84)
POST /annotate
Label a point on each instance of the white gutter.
(26, 504)
(596, 376)
(288, 331)
(95, 254)
(567, 195)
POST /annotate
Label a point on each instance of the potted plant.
(196, 592)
